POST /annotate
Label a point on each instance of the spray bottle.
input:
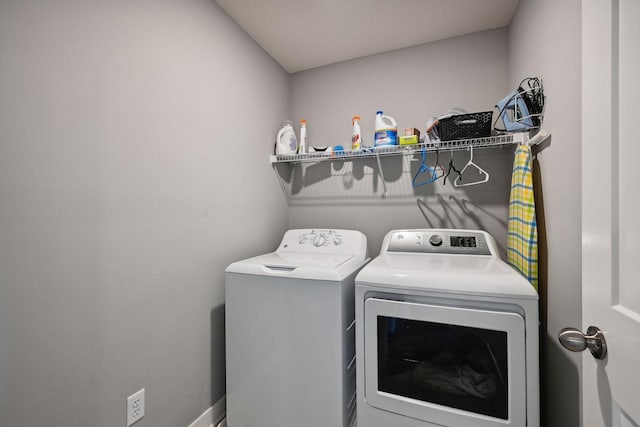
(356, 136)
(302, 148)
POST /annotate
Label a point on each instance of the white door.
(611, 209)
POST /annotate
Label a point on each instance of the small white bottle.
(356, 136)
(302, 148)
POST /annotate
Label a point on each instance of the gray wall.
(412, 85)
(132, 170)
(544, 39)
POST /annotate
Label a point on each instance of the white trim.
(215, 415)
(204, 420)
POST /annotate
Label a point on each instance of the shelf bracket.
(384, 183)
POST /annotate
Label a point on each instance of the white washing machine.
(446, 334)
(290, 333)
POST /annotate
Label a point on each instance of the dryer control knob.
(435, 240)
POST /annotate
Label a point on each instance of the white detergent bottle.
(386, 130)
(286, 142)
(302, 148)
(356, 136)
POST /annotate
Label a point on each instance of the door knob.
(574, 340)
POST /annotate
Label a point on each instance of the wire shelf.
(401, 150)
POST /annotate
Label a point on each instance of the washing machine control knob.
(435, 240)
(319, 240)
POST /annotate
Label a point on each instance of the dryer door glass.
(457, 366)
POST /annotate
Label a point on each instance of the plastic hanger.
(424, 168)
(458, 181)
(452, 167)
(439, 165)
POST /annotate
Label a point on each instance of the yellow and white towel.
(522, 248)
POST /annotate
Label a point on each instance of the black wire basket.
(465, 126)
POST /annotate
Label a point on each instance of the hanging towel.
(522, 248)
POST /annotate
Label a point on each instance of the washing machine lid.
(446, 274)
(299, 265)
(322, 254)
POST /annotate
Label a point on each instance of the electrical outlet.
(135, 407)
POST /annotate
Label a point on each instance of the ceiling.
(303, 34)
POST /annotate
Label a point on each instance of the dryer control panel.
(438, 241)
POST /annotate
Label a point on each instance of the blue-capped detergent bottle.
(386, 130)
(286, 141)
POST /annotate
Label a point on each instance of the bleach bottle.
(386, 130)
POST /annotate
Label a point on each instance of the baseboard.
(212, 417)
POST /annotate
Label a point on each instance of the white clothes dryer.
(290, 334)
(446, 334)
